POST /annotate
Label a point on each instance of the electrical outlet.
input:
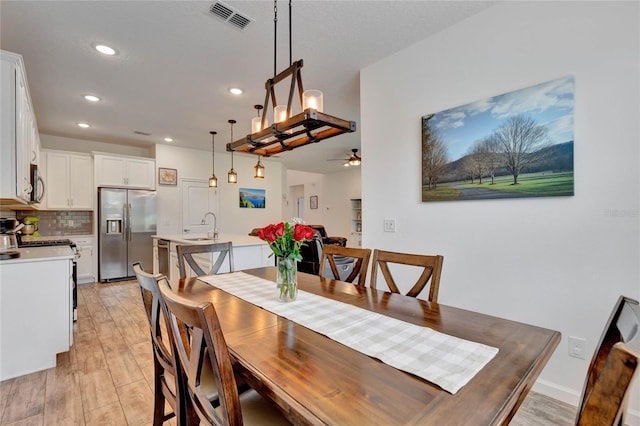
(577, 347)
(389, 225)
(70, 222)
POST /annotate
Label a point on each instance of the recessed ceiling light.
(104, 49)
(91, 98)
(83, 125)
(236, 91)
(167, 139)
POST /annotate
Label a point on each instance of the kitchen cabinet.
(36, 301)
(86, 262)
(18, 131)
(69, 181)
(248, 253)
(125, 172)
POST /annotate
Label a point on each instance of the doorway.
(197, 199)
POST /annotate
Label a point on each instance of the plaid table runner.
(447, 361)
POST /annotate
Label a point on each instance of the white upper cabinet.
(19, 139)
(125, 172)
(69, 181)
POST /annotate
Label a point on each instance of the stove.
(46, 243)
(60, 242)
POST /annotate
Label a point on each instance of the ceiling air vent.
(140, 132)
(229, 15)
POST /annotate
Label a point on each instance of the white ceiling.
(176, 63)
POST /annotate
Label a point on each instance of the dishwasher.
(163, 257)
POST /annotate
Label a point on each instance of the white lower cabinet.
(35, 315)
(244, 257)
(86, 262)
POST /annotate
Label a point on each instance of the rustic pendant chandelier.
(213, 180)
(290, 131)
(232, 176)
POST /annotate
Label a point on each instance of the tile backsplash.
(59, 222)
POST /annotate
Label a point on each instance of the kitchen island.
(36, 320)
(248, 252)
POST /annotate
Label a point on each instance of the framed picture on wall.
(313, 202)
(167, 176)
(514, 145)
(253, 198)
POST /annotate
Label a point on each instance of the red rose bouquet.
(285, 240)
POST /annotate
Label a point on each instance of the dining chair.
(187, 256)
(338, 261)
(610, 373)
(432, 267)
(197, 338)
(167, 375)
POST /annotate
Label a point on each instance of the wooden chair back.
(204, 342)
(607, 400)
(359, 255)
(167, 374)
(186, 257)
(432, 268)
(602, 390)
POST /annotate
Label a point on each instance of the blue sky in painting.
(549, 103)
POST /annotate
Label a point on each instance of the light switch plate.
(389, 225)
(577, 347)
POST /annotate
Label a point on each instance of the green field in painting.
(441, 193)
(543, 184)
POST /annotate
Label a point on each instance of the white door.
(197, 199)
(300, 203)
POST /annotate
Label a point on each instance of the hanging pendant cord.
(275, 35)
(290, 55)
(213, 152)
(232, 151)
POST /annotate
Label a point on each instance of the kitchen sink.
(200, 239)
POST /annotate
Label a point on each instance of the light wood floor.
(107, 376)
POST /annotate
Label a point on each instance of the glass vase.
(287, 279)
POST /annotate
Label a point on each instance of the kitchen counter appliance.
(127, 220)
(8, 238)
(76, 255)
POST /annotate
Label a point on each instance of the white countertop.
(236, 239)
(39, 254)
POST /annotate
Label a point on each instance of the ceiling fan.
(353, 160)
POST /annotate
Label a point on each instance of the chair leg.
(158, 397)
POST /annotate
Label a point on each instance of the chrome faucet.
(214, 232)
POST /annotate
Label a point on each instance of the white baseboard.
(572, 397)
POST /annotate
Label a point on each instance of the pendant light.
(256, 122)
(258, 170)
(213, 180)
(290, 130)
(232, 176)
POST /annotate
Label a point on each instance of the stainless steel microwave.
(37, 184)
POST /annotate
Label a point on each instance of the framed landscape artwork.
(514, 145)
(252, 198)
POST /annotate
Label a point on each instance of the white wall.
(87, 146)
(334, 192)
(196, 164)
(559, 263)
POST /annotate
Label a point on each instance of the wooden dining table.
(315, 380)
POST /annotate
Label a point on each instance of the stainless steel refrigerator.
(127, 220)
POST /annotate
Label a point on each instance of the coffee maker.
(9, 227)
